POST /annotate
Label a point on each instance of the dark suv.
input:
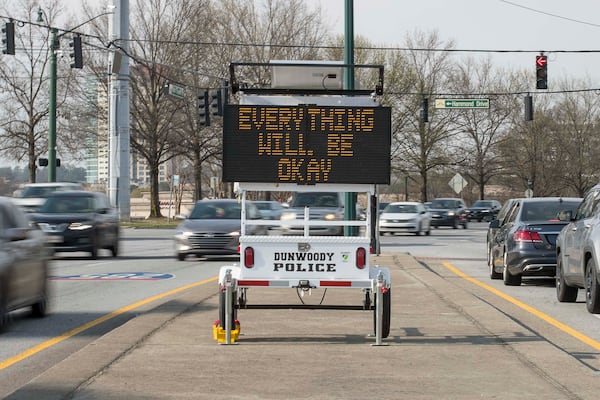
(483, 210)
(448, 212)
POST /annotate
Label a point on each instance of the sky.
(532, 25)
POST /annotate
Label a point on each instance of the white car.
(33, 195)
(405, 216)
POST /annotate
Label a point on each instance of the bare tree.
(24, 82)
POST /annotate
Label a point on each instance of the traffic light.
(216, 103)
(528, 108)
(8, 38)
(76, 55)
(425, 110)
(541, 72)
(203, 109)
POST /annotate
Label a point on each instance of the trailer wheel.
(387, 314)
(222, 301)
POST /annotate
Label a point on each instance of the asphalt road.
(106, 293)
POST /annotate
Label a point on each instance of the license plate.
(54, 239)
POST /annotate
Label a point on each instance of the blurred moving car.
(448, 212)
(577, 252)
(213, 228)
(23, 264)
(33, 195)
(483, 210)
(525, 244)
(405, 216)
(79, 221)
(327, 206)
(269, 209)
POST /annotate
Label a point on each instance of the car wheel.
(94, 249)
(455, 223)
(386, 317)
(40, 308)
(592, 291)
(464, 225)
(564, 292)
(4, 317)
(418, 232)
(428, 231)
(114, 249)
(180, 256)
(509, 279)
(493, 273)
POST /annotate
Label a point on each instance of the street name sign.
(462, 103)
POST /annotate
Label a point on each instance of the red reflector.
(361, 257)
(335, 283)
(248, 282)
(527, 236)
(249, 257)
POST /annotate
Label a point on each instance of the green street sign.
(176, 91)
(462, 103)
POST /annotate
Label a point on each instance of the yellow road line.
(565, 328)
(51, 342)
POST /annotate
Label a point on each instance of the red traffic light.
(541, 61)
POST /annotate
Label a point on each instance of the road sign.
(462, 103)
(176, 91)
(457, 183)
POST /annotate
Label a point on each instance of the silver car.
(405, 216)
(578, 253)
(23, 264)
(213, 228)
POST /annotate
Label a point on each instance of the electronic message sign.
(306, 144)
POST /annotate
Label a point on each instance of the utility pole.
(52, 108)
(118, 131)
(349, 198)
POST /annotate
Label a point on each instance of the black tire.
(592, 291)
(39, 309)
(492, 267)
(222, 300)
(465, 225)
(94, 249)
(428, 232)
(114, 249)
(180, 256)
(455, 223)
(509, 279)
(387, 315)
(4, 316)
(564, 292)
(418, 232)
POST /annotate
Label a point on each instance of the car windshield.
(216, 210)
(443, 204)
(316, 200)
(546, 210)
(263, 206)
(68, 205)
(400, 208)
(482, 203)
(37, 191)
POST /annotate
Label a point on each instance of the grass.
(161, 223)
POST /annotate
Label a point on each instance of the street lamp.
(54, 46)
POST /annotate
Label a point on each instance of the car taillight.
(249, 257)
(361, 258)
(527, 236)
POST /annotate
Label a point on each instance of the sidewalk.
(444, 344)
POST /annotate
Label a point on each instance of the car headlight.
(80, 226)
(451, 213)
(234, 233)
(288, 216)
(183, 233)
(330, 217)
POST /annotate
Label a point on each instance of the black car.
(448, 212)
(23, 264)
(483, 210)
(79, 221)
(525, 241)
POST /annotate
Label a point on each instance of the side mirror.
(495, 224)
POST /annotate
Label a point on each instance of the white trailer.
(316, 138)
